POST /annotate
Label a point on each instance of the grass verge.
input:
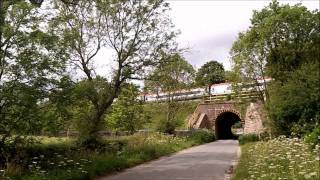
(280, 158)
(246, 138)
(65, 160)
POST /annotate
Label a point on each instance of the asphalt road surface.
(210, 161)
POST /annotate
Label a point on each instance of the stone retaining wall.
(253, 119)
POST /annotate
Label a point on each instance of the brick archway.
(212, 111)
(228, 110)
(223, 123)
(251, 119)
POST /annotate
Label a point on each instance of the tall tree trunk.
(92, 137)
(94, 128)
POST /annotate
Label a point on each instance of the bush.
(294, 105)
(313, 138)
(127, 112)
(237, 125)
(166, 126)
(246, 138)
(228, 97)
(202, 136)
(158, 115)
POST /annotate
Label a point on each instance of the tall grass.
(246, 138)
(65, 160)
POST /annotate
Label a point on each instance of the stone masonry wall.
(206, 114)
(253, 119)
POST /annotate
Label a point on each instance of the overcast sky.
(210, 27)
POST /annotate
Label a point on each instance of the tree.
(249, 63)
(31, 64)
(56, 112)
(282, 43)
(288, 37)
(171, 76)
(280, 39)
(210, 73)
(127, 112)
(294, 106)
(137, 32)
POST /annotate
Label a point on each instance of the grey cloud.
(216, 47)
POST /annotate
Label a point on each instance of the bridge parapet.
(221, 98)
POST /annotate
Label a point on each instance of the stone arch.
(223, 122)
(228, 110)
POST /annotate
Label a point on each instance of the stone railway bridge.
(220, 116)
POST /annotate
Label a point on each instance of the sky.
(209, 28)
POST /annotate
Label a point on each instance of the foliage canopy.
(283, 43)
(210, 73)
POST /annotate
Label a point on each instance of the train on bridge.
(198, 93)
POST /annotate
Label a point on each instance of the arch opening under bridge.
(223, 124)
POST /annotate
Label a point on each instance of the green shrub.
(157, 114)
(313, 138)
(228, 97)
(237, 125)
(294, 105)
(202, 136)
(245, 138)
(166, 126)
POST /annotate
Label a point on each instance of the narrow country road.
(206, 162)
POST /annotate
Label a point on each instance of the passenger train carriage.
(197, 93)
